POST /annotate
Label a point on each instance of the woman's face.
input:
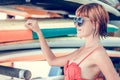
(84, 27)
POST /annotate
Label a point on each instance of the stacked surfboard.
(62, 34)
(14, 30)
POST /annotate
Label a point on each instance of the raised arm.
(50, 57)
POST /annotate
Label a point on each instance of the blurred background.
(19, 47)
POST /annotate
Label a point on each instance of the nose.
(76, 25)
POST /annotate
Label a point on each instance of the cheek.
(89, 29)
(85, 32)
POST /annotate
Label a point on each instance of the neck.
(92, 41)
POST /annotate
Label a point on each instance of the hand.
(32, 25)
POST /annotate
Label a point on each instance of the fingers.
(30, 23)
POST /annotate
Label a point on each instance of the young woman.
(89, 60)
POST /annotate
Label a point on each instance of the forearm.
(45, 48)
(50, 57)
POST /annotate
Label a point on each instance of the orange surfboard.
(15, 35)
(38, 12)
(27, 12)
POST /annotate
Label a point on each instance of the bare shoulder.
(104, 63)
(100, 55)
(100, 52)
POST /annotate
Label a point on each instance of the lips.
(78, 30)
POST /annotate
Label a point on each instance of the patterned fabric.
(73, 71)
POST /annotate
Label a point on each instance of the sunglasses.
(79, 21)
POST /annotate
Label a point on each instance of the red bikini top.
(73, 71)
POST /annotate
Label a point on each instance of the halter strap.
(88, 55)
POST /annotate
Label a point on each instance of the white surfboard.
(107, 7)
(61, 42)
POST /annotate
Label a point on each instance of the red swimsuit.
(73, 71)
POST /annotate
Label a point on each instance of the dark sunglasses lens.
(79, 21)
(79, 24)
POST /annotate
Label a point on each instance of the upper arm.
(61, 61)
(106, 66)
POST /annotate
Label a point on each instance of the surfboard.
(38, 11)
(59, 42)
(106, 6)
(52, 9)
(23, 12)
(14, 30)
(36, 54)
